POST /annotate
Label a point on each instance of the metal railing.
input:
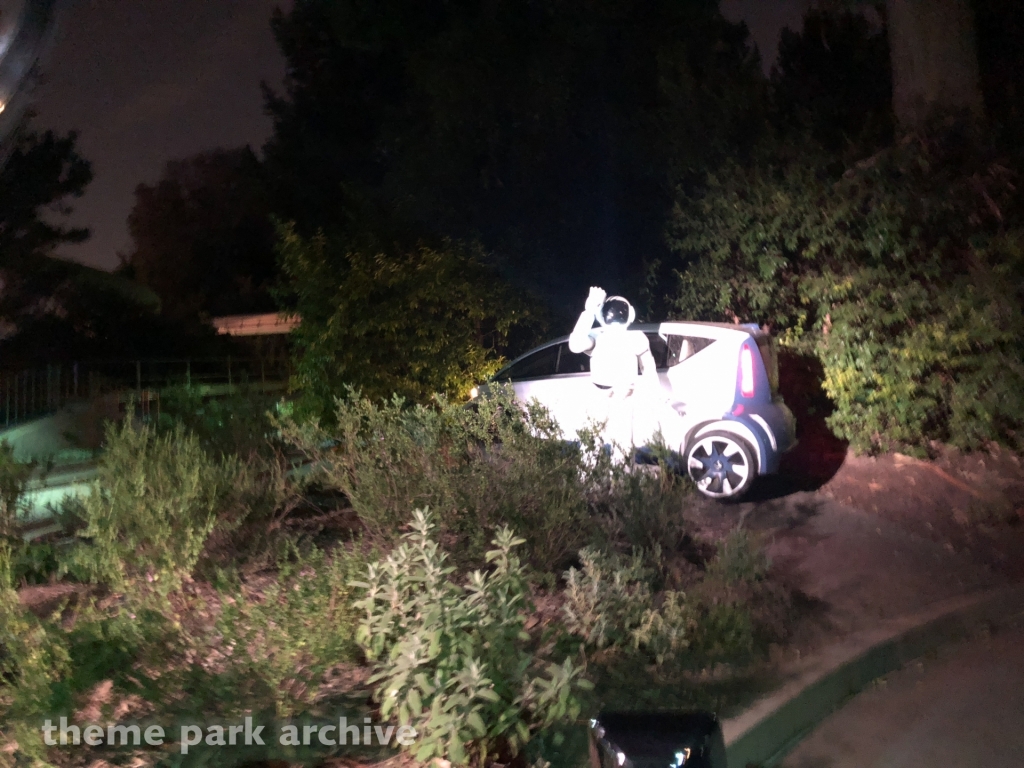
(34, 392)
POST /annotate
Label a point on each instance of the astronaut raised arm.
(582, 339)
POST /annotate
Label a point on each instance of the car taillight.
(746, 372)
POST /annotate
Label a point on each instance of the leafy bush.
(478, 468)
(642, 507)
(455, 661)
(606, 598)
(28, 561)
(739, 559)
(903, 274)
(35, 562)
(155, 503)
(610, 602)
(237, 424)
(33, 660)
(394, 319)
(13, 477)
(278, 646)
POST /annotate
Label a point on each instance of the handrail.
(30, 393)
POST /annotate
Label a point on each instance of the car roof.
(711, 330)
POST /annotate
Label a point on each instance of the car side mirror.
(656, 740)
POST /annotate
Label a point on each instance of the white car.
(719, 405)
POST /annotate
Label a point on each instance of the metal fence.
(34, 392)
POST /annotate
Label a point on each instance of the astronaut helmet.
(616, 312)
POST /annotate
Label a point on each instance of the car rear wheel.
(721, 465)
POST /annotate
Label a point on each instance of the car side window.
(572, 362)
(680, 348)
(543, 362)
(659, 349)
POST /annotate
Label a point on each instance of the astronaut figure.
(621, 366)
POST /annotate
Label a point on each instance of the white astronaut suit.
(621, 366)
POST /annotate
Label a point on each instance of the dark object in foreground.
(26, 31)
(656, 740)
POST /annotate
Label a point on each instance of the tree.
(391, 319)
(833, 78)
(551, 132)
(43, 174)
(934, 60)
(1000, 28)
(202, 236)
(904, 274)
(52, 309)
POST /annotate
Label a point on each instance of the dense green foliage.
(280, 645)
(902, 273)
(33, 658)
(238, 423)
(14, 476)
(393, 320)
(477, 469)
(455, 661)
(610, 603)
(156, 502)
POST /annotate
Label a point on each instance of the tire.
(721, 465)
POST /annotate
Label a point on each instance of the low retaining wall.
(763, 734)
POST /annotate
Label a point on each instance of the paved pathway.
(963, 708)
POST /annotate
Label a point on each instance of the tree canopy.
(898, 265)
(41, 178)
(388, 318)
(550, 132)
(202, 236)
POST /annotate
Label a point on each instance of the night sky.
(146, 81)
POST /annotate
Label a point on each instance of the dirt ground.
(972, 502)
(862, 540)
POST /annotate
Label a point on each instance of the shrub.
(278, 646)
(902, 274)
(642, 507)
(33, 661)
(455, 661)
(440, 317)
(478, 468)
(238, 424)
(739, 559)
(28, 561)
(13, 477)
(610, 602)
(155, 503)
(721, 631)
(606, 598)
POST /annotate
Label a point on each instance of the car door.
(559, 380)
(701, 374)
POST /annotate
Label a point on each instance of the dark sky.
(146, 81)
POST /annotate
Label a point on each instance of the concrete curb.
(764, 733)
